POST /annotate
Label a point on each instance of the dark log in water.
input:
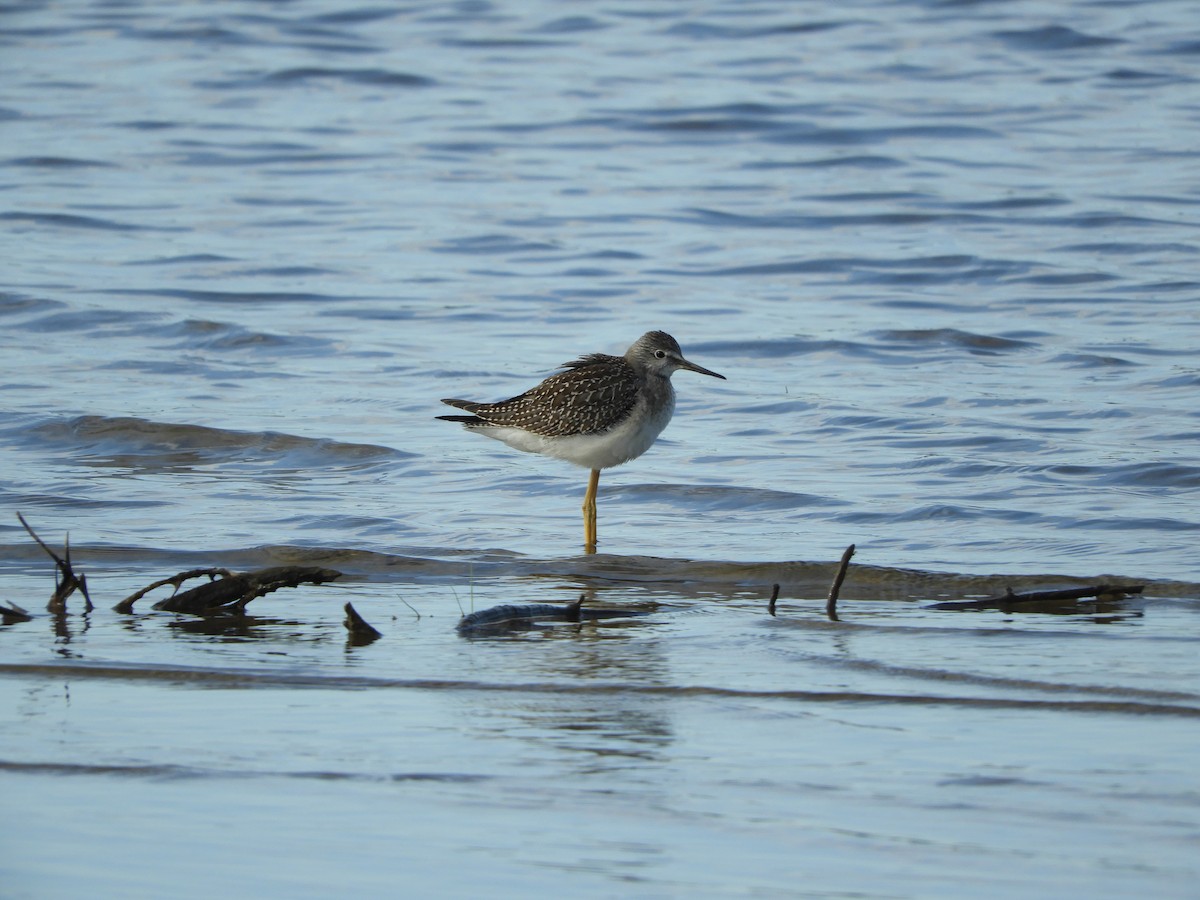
(510, 618)
(1011, 601)
(230, 594)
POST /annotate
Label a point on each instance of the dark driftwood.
(228, 593)
(231, 594)
(10, 615)
(66, 582)
(508, 618)
(176, 581)
(774, 597)
(836, 587)
(361, 632)
(1011, 600)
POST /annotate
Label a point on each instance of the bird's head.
(658, 353)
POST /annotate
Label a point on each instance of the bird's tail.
(467, 405)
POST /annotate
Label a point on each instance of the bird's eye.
(660, 354)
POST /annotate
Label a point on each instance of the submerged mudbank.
(224, 597)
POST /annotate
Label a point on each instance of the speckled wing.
(594, 393)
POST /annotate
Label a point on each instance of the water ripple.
(1053, 38)
(70, 220)
(141, 445)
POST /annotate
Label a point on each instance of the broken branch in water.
(231, 593)
(835, 589)
(10, 615)
(774, 597)
(66, 582)
(176, 581)
(361, 632)
(1011, 599)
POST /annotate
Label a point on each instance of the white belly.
(627, 441)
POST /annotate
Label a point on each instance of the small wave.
(1115, 222)
(492, 244)
(69, 220)
(715, 498)
(775, 348)
(90, 321)
(571, 25)
(355, 15)
(185, 259)
(236, 297)
(1091, 361)
(212, 35)
(301, 75)
(502, 43)
(852, 137)
(704, 31)
(135, 443)
(284, 272)
(1010, 684)
(789, 267)
(576, 688)
(242, 158)
(1067, 278)
(1011, 203)
(165, 771)
(1183, 48)
(1139, 77)
(1179, 380)
(1131, 248)
(19, 304)
(1053, 37)
(721, 218)
(714, 125)
(1154, 474)
(148, 125)
(985, 343)
(847, 161)
(949, 270)
(57, 162)
(196, 334)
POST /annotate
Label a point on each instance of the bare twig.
(774, 597)
(831, 603)
(410, 606)
(66, 582)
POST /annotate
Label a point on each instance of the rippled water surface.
(944, 254)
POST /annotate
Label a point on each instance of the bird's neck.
(659, 390)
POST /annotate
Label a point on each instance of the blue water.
(944, 254)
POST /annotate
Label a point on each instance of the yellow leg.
(589, 512)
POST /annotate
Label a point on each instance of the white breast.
(627, 441)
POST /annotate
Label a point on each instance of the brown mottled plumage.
(599, 412)
(593, 394)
